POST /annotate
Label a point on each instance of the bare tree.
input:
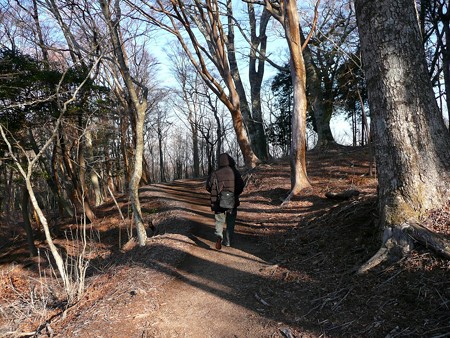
(411, 141)
(257, 41)
(138, 95)
(435, 27)
(324, 56)
(179, 18)
(190, 96)
(286, 13)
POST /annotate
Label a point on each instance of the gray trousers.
(227, 218)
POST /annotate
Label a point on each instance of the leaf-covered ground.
(290, 272)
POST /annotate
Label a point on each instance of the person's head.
(226, 160)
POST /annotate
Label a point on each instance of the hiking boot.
(219, 243)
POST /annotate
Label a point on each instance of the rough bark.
(411, 140)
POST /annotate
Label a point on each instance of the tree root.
(381, 256)
(429, 239)
(398, 241)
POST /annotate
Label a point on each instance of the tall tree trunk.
(252, 117)
(136, 176)
(162, 175)
(26, 221)
(124, 149)
(109, 171)
(78, 198)
(446, 60)
(93, 174)
(51, 176)
(140, 107)
(256, 76)
(299, 178)
(411, 141)
(195, 152)
(145, 179)
(54, 250)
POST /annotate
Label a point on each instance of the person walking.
(225, 179)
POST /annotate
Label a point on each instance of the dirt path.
(179, 285)
(215, 292)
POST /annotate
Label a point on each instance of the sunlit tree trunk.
(287, 15)
(411, 141)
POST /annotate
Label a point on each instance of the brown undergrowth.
(312, 247)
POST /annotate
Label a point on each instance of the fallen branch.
(262, 301)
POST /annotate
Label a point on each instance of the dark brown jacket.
(226, 178)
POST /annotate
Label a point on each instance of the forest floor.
(289, 273)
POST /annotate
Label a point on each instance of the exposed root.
(380, 257)
(398, 240)
(439, 244)
(287, 200)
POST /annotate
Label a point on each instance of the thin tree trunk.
(109, 172)
(53, 249)
(94, 178)
(446, 61)
(195, 151)
(27, 223)
(136, 177)
(124, 150)
(78, 198)
(162, 175)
